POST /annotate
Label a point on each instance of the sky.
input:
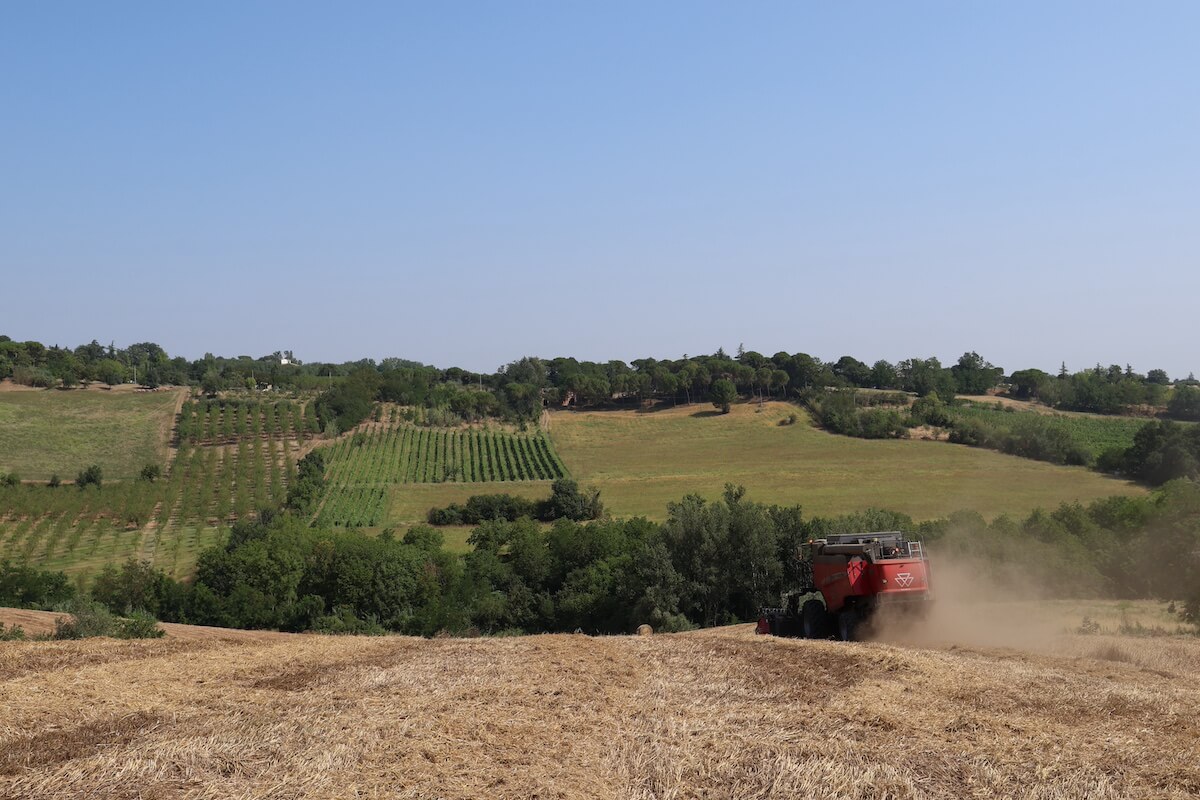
(467, 183)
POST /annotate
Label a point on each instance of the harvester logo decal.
(905, 579)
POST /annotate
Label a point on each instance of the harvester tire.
(814, 620)
(847, 625)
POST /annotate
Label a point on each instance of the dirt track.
(711, 714)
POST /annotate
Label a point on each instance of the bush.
(565, 502)
(930, 410)
(1028, 436)
(14, 633)
(138, 625)
(343, 622)
(89, 618)
(483, 508)
(150, 473)
(1163, 451)
(839, 412)
(136, 586)
(92, 476)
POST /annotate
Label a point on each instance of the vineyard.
(382, 454)
(232, 459)
(1092, 433)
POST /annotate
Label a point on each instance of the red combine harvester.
(856, 575)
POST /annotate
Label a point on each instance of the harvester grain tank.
(856, 575)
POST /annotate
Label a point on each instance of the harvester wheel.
(847, 625)
(814, 619)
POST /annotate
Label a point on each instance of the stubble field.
(719, 713)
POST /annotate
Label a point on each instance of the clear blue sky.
(466, 183)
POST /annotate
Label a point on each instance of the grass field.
(47, 432)
(642, 461)
(718, 713)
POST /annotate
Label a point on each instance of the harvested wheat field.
(712, 714)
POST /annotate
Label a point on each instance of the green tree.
(1185, 403)
(722, 393)
(973, 375)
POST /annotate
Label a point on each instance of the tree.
(973, 375)
(883, 375)
(723, 393)
(1185, 403)
(1028, 383)
(111, 371)
(927, 376)
(853, 371)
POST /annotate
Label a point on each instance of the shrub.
(930, 410)
(138, 625)
(92, 476)
(89, 618)
(150, 473)
(14, 633)
(343, 622)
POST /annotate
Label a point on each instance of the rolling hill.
(235, 455)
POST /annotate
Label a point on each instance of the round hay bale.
(644, 630)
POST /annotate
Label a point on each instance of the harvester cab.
(855, 575)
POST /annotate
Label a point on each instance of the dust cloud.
(973, 604)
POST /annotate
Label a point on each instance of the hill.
(642, 461)
(236, 455)
(719, 713)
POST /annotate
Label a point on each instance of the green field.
(48, 432)
(642, 461)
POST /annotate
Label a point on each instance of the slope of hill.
(45, 432)
(713, 714)
(642, 461)
(232, 459)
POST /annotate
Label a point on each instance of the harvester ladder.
(915, 549)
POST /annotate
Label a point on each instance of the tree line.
(709, 563)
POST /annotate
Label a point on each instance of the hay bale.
(644, 630)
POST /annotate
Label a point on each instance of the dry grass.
(713, 714)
